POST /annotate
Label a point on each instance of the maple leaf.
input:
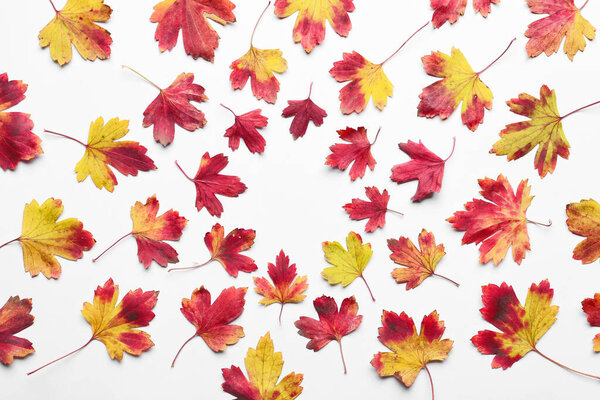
(420, 263)
(459, 84)
(209, 182)
(347, 264)
(424, 166)
(584, 220)
(114, 324)
(103, 150)
(374, 209)
(591, 306)
(259, 65)
(17, 142)
(498, 223)
(331, 325)
(226, 249)
(309, 29)
(75, 25)
(191, 17)
(173, 106)
(245, 127)
(410, 352)
(366, 80)
(43, 238)
(357, 151)
(264, 367)
(15, 316)
(150, 231)
(303, 112)
(212, 321)
(451, 10)
(287, 286)
(564, 21)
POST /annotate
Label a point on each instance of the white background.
(295, 202)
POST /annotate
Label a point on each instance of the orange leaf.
(584, 220)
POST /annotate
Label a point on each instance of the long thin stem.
(56, 11)
(376, 136)
(181, 169)
(584, 4)
(310, 90)
(224, 106)
(342, 353)
(9, 242)
(257, 21)
(497, 58)
(579, 109)
(60, 358)
(564, 366)
(446, 278)
(181, 348)
(65, 136)
(540, 223)
(192, 267)
(453, 147)
(430, 381)
(143, 77)
(280, 312)
(403, 44)
(365, 281)
(111, 246)
(394, 211)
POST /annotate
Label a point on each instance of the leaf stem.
(257, 21)
(564, 366)
(143, 77)
(310, 90)
(9, 242)
(181, 169)
(181, 348)
(65, 136)
(224, 106)
(403, 44)
(430, 381)
(497, 58)
(365, 281)
(584, 4)
(192, 267)
(60, 358)
(453, 147)
(376, 136)
(394, 211)
(446, 278)
(579, 109)
(111, 246)
(540, 223)
(280, 312)
(56, 11)
(342, 353)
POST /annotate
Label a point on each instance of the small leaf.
(15, 316)
(357, 151)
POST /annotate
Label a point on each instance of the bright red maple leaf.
(374, 209)
(331, 325)
(245, 127)
(303, 112)
(357, 151)
(209, 182)
(424, 166)
(17, 142)
(15, 315)
(190, 16)
(212, 321)
(226, 249)
(591, 306)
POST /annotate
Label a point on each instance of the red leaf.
(17, 142)
(374, 209)
(15, 316)
(244, 128)
(357, 151)
(303, 112)
(425, 166)
(209, 183)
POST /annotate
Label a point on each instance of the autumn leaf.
(17, 142)
(564, 20)
(451, 10)
(264, 367)
(424, 166)
(309, 29)
(245, 128)
(591, 306)
(366, 81)
(584, 220)
(410, 352)
(43, 238)
(259, 65)
(521, 327)
(213, 321)
(357, 151)
(374, 209)
(420, 263)
(226, 249)
(75, 25)
(150, 232)
(498, 223)
(287, 286)
(347, 265)
(303, 111)
(15, 316)
(459, 84)
(331, 325)
(209, 182)
(192, 18)
(114, 324)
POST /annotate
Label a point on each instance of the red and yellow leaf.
(584, 220)
(15, 316)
